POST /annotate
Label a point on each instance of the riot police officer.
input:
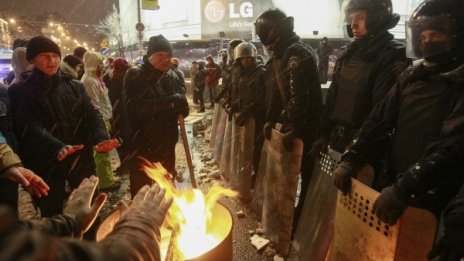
(293, 93)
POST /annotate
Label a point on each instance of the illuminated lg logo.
(215, 11)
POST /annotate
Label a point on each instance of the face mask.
(433, 48)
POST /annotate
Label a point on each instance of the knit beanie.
(72, 60)
(41, 44)
(158, 44)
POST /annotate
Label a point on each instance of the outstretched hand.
(107, 145)
(68, 150)
(31, 183)
(80, 206)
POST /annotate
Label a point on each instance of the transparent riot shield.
(280, 185)
(241, 165)
(220, 132)
(314, 233)
(360, 235)
(215, 124)
(224, 166)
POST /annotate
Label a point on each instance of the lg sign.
(215, 10)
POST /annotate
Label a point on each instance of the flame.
(190, 213)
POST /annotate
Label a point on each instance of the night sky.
(73, 11)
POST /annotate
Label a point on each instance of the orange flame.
(190, 213)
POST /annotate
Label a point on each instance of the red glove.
(107, 145)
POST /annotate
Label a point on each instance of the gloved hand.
(450, 246)
(390, 205)
(31, 183)
(319, 145)
(241, 120)
(68, 150)
(267, 130)
(80, 206)
(107, 145)
(180, 104)
(287, 140)
(342, 176)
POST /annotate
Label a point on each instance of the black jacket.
(293, 93)
(380, 61)
(420, 127)
(49, 113)
(148, 96)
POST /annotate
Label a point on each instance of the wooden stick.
(183, 133)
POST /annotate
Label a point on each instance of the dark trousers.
(212, 93)
(323, 70)
(74, 169)
(307, 165)
(163, 153)
(201, 99)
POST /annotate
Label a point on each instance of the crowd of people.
(392, 107)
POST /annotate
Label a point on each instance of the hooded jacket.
(94, 86)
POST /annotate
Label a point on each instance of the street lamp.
(12, 21)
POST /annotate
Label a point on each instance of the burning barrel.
(220, 229)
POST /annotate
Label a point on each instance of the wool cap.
(41, 44)
(158, 44)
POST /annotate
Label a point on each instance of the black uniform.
(364, 73)
(293, 97)
(419, 126)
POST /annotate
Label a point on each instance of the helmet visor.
(429, 35)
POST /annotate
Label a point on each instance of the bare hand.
(107, 145)
(31, 183)
(68, 150)
(79, 203)
(149, 205)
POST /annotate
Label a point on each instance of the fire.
(190, 214)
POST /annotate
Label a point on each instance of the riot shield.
(220, 132)
(360, 235)
(224, 166)
(258, 190)
(241, 165)
(280, 185)
(215, 124)
(315, 228)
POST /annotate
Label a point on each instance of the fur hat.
(158, 44)
(41, 44)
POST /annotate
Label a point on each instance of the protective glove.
(107, 145)
(31, 183)
(68, 150)
(390, 205)
(342, 176)
(79, 205)
(319, 145)
(267, 130)
(241, 120)
(450, 246)
(287, 140)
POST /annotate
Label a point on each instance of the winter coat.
(213, 73)
(420, 120)
(49, 113)
(66, 68)
(193, 73)
(293, 93)
(95, 87)
(364, 73)
(148, 96)
(58, 238)
(180, 76)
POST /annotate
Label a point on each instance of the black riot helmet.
(380, 16)
(231, 47)
(271, 24)
(436, 31)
